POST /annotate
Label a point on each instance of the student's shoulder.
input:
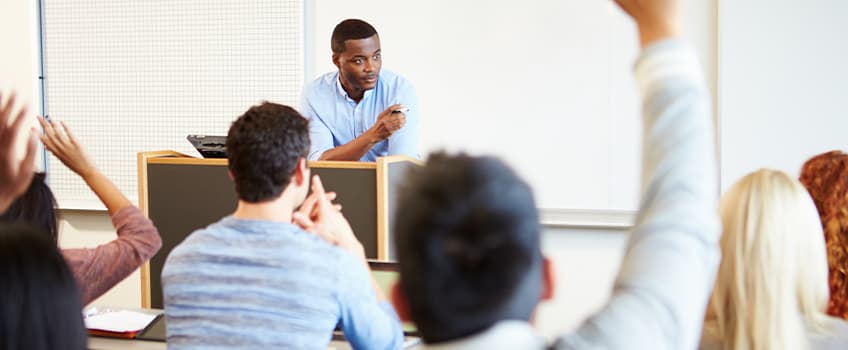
(392, 79)
(833, 336)
(203, 237)
(322, 83)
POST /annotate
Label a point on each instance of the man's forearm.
(352, 151)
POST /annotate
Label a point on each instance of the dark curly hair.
(263, 148)
(469, 246)
(826, 178)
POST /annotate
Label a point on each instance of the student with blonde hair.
(826, 178)
(771, 290)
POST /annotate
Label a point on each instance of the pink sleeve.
(99, 269)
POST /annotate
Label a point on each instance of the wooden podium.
(181, 194)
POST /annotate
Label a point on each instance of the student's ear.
(549, 279)
(301, 172)
(230, 173)
(336, 61)
(400, 304)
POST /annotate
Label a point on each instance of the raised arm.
(62, 144)
(661, 292)
(15, 175)
(99, 269)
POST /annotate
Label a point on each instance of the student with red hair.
(826, 178)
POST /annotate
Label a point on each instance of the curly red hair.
(826, 178)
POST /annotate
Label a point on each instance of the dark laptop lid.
(155, 330)
(209, 146)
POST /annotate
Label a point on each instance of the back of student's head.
(36, 207)
(772, 281)
(826, 178)
(263, 149)
(40, 306)
(468, 246)
(350, 29)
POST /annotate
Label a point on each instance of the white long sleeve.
(672, 255)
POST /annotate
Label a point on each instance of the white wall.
(81, 228)
(18, 68)
(586, 263)
(18, 61)
(784, 83)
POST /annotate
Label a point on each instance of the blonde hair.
(772, 281)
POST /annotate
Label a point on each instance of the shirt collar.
(509, 334)
(341, 91)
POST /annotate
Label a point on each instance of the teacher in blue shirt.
(360, 112)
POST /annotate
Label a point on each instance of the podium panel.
(181, 194)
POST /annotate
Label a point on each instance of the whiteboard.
(783, 84)
(130, 76)
(548, 87)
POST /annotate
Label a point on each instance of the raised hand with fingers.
(59, 140)
(15, 175)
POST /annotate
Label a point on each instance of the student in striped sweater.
(255, 280)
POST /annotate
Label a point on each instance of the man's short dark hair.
(350, 29)
(468, 246)
(263, 148)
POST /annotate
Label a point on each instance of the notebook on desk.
(127, 324)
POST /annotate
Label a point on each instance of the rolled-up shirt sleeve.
(320, 136)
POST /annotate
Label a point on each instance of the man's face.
(359, 64)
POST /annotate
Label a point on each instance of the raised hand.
(59, 140)
(656, 19)
(15, 175)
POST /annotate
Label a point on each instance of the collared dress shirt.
(335, 119)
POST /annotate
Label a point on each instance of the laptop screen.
(209, 146)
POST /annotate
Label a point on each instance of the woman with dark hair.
(826, 178)
(36, 206)
(96, 269)
(39, 302)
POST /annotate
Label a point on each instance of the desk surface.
(103, 343)
(100, 343)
